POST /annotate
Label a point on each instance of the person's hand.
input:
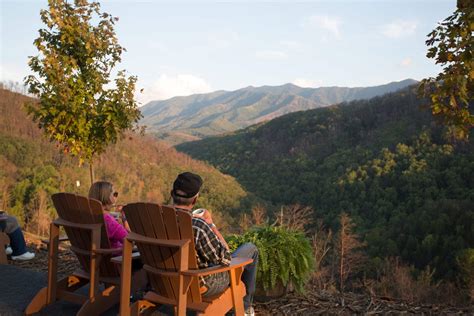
(206, 216)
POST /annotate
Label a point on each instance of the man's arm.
(212, 240)
(207, 217)
(219, 235)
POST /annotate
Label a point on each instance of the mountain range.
(384, 161)
(182, 119)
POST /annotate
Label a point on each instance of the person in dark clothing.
(211, 247)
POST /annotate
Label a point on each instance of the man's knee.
(253, 250)
(12, 224)
(247, 250)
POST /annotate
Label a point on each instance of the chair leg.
(235, 286)
(38, 302)
(101, 302)
(126, 278)
(180, 310)
(141, 307)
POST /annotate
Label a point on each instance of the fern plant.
(284, 255)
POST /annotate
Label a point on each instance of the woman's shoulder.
(108, 218)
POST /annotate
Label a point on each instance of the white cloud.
(271, 55)
(406, 62)
(168, 86)
(327, 23)
(398, 29)
(307, 83)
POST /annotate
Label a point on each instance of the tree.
(451, 44)
(347, 250)
(79, 107)
(321, 241)
(295, 217)
(465, 262)
(259, 214)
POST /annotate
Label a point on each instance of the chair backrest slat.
(162, 255)
(184, 222)
(67, 209)
(134, 212)
(170, 223)
(172, 232)
(146, 219)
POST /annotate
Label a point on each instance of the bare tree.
(296, 217)
(348, 247)
(259, 214)
(244, 222)
(257, 217)
(321, 240)
(39, 218)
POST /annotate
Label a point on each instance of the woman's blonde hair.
(101, 190)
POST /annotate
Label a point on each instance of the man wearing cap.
(211, 247)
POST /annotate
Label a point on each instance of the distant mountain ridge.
(192, 117)
(384, 161)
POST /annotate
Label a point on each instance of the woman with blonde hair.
(104, 192)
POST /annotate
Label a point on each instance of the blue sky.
(181, 48)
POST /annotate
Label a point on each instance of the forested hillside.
(141, 169)
(189, 118)
(384, 161)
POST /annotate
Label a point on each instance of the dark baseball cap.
(187, 185)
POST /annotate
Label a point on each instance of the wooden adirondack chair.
(4, 240)
(83, 221)
(164, 237)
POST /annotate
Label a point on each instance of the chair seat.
(86, 275)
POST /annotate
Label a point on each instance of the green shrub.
(284, 255)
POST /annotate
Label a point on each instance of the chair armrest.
(118, 259)
(137, 238)
(62, 238)
(62, 222)
(235, 263)
(98, 251)
(107, 251)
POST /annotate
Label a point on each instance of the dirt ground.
(312, 303)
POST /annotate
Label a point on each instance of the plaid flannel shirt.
(209, 251)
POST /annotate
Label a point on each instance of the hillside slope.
(187, 118)
(141, 169)
(384, 161)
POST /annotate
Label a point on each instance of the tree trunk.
(91, 172)
(341, 262)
